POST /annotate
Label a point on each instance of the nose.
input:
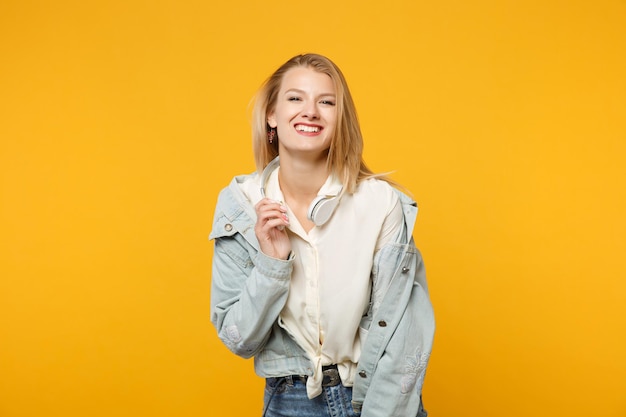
(310, 111)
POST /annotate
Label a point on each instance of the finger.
(275, 223)
(270, 210)
(267, 203)
(269, 218)
(273, 218)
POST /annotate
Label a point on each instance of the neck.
(302, 179)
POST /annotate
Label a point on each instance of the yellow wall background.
(121, 120)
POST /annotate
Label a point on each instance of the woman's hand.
(270, 228)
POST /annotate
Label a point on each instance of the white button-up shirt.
(330, 284)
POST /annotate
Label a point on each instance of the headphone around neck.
(321, 208)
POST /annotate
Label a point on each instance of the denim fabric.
(285, 397)
(249, 290)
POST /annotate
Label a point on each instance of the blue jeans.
(286, 397)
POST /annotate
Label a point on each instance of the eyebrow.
(297, 90)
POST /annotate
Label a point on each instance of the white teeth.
(310, 129)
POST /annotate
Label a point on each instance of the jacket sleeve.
(248, 288)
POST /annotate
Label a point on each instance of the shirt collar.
(331, 187)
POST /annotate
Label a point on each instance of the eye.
(294, 98)
(328, 102)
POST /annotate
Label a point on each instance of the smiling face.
(305, 113)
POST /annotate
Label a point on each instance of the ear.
(271, 120)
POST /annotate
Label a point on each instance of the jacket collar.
(235, 214)
(409, 208)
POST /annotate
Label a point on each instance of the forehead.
(307, 79)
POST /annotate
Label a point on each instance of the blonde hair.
(345, 156)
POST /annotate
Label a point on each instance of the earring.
(271, 134)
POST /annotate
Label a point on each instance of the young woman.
(315, 273)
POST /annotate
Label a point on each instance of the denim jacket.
(249, 290)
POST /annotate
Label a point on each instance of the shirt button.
(382, 323)
(228, 227)
(405, 269)
(363, 374)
